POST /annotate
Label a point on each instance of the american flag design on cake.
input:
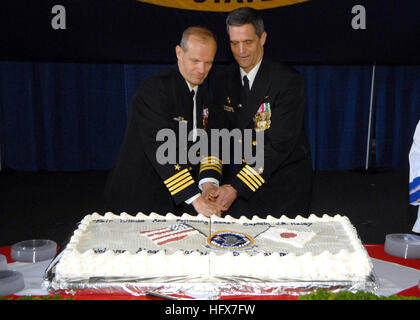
(169, 234)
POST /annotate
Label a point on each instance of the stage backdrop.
(326, 31)
(72, 116)
(70, 68)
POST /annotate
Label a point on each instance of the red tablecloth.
(375, 251)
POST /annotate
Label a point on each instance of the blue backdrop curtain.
(71, 116)
(337, 114)
(59, 116)
(397, 113)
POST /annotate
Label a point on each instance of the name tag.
(227, 108)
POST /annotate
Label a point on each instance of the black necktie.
(192, 93)
(194, 115)
(246, 87)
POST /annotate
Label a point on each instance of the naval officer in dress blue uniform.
(139, 182)
(259, 94)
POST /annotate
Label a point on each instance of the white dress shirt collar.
(191, 88)
(250, 75)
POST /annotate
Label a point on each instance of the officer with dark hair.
(259, 94)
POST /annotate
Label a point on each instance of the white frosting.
(313, 248)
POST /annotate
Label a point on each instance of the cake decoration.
(283, 234)
(229, 240)
(169, 234)
(288, 235)
(197, 247)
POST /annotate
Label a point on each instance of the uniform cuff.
(190, 200)
(247, 181)
(204, 180)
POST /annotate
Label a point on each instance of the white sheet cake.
(148, 246)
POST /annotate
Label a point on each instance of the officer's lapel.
(235, 91)
(183, 97)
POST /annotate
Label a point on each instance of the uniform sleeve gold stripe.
(252, 176)
(184, 176)
(211, 163)
(211, 160)
(175, 176)
(175, 186)
(243, 174)
(203, 166)
(210, 167)
(255, 173)
(182, 187)
(246, 182)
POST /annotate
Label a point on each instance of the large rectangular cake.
(151, 246)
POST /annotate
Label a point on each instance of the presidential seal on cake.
(187, 249)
